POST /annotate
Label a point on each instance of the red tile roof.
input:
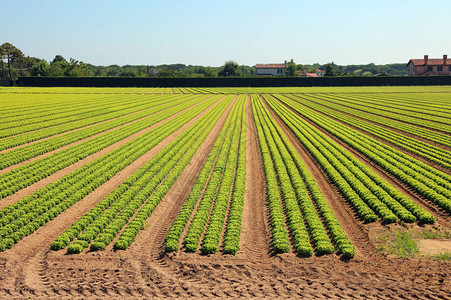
(312, 74)
(431, 62)
(270, 66)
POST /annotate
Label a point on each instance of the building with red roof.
(429, 66)
(270, 69)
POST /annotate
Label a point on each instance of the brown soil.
(428, 246)
(31, 270)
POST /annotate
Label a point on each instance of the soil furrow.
(255, 233)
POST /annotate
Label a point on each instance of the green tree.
(210, 72)
(166, 72)
(100, 72)
(331, 70)
(76, 69)
(58, 68)
(11, 54)
(42, 68)
(128, 72)
(2, 57)
(230, 68)
(59, 58)
(291, 69)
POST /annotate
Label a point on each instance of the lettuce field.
(207, 192)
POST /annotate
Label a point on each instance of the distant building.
(270, 69)
(304, 73)
(429, 66)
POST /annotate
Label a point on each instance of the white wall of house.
(273, 72)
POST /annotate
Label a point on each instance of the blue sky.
(211, 32)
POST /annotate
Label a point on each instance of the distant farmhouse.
(270, 69)
(319, 73)
(280, 70)
(429, 66)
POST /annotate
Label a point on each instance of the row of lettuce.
(380, 196)
(73, 131)
(31, 172)
(120, 215)
(33, 211)
(407, 109)
(293, 196)
(217, 193)
(360, 120)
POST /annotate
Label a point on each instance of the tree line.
(14, 63)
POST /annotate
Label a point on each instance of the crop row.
(58, 115)
(361, 186)
(427, 121)
(41, 107)
(26, 215)
(425, 150)
(173, 237)
(408, 104)
(41, 147)
(292, 171)
(103, 222)
(295, 219)
(126, 110)
(212, 236)
(25, 175)
(231, 241)
(218, 187)
(426, 180)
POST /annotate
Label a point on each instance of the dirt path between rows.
(255, 234)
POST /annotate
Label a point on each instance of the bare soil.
(432, 246)
(145, 270)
